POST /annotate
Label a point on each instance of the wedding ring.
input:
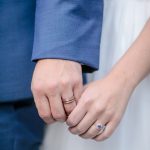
(68, 101)
(100, 128)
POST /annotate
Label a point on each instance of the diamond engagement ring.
(100, 128)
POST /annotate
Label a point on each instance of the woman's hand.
(103, 102)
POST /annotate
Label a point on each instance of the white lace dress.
(123, 21)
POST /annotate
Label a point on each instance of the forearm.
(134, 66)
(66, 29)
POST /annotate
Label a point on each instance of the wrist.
(122, 79)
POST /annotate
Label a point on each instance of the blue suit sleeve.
(68, 29)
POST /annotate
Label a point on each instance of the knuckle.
(79, 129)
(72, 131)
(70, 122)
(59, 117)
(116, 119)
(36, 88)
(102, 137)
(65, 82)
(87, 102)
(49, 120)
(77, 80)
(69, 110)
(89, 134)
(44, 115)
(98, 139)
(98, 109)
(85, 137)
(108, 114)
(105, 136)
(52, 86)
(70, 107)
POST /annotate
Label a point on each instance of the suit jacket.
(63, 29)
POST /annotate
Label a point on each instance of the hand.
(103, 102)
(54, 80)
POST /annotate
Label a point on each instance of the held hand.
(100, 108)
(53, 81)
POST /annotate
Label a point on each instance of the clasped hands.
(98, 103)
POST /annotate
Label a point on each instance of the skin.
(104, 101)
(53, 80)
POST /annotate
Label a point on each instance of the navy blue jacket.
(63, 29)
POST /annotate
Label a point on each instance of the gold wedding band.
(68, 101)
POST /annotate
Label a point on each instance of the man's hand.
(55, 80)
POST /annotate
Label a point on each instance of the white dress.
(123, 21)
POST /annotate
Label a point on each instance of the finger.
(77, 90)
(68, 95)
(57, 108)
(69, 106)
(43, 107)
(110, 127)
(76, 115)
(85, 124)
(94, 130)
